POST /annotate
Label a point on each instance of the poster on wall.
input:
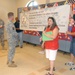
(37, 19)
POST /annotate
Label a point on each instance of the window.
(31, 3)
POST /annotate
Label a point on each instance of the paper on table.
(45, 38)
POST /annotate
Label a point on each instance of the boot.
(12, 65)
(8, 62)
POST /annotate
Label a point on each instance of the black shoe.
(49, 69)
(73, 68)
(21, 47)
(49, 74)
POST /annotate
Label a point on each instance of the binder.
(45, 38)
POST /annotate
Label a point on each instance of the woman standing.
(72, 47)
(51, 46)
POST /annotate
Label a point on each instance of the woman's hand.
(44, 32)
(68, 32)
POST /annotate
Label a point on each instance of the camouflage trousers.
(2, 40)
(11, 51)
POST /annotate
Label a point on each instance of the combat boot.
(8, 62)
(12, 65)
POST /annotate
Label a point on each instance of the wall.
(44, 1)
(22, 3)
(5, 7)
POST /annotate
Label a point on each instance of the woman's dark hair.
(54, 23)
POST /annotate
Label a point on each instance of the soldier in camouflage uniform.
(2, 33)
(12, 38)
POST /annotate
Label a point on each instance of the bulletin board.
(37, 19)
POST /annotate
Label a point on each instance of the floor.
(30, 62)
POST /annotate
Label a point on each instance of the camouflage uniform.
(2, 33)
(12, 38)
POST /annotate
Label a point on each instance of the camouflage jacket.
(11, 32)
